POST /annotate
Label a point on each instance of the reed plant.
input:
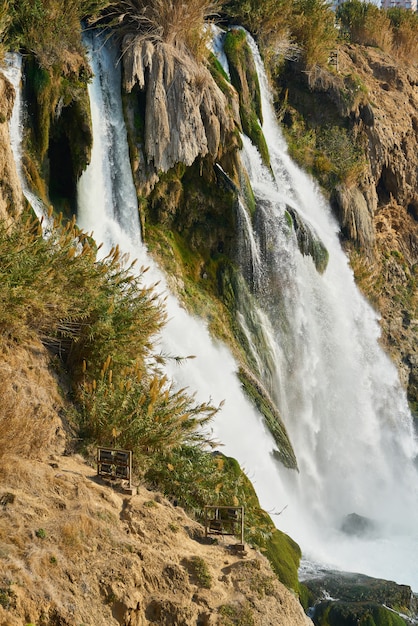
(312, 26)
(364, 23)
(82, 309)
(405, 34)
(140, 410)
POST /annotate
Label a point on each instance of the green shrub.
(200, 571)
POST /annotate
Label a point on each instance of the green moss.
(265, 405)
(245, 80)
(284, 555)
(364, 614)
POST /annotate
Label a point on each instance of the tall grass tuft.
(179, 23)
(313, 28)
(366, 24)
(405, 34)
(22, 432)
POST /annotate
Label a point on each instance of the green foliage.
(313, 28)
(49, 29)
(4, 25)
(40, 533)
(365, 23)
(245, 80)
(82, 309)
(344, 156)
(405, 32)
(142, 412)
(195, 479)
(364, 614)
(331, 152)
(200, 571)
(236, 614)
(268, 19)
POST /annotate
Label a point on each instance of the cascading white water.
(338, 393)
(212, 373)
(13, 71)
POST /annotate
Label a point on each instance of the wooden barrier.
(225, 520)
(115, 464)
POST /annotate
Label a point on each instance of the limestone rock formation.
(186, 113)
(390, 188)
(11, 198)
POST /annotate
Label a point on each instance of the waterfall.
(13, 72)
(338, 393)
(212, 373)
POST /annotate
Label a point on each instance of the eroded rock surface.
(186, 114)
(11, 199)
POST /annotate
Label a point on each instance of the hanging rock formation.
(186, 113)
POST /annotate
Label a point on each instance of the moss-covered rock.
(359, 600)
(261, 399)
(58, 145)
(329, 613)
(245, 80)
(309, 242)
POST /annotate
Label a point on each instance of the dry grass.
(29, 401)
(21, 432)
(175, 22)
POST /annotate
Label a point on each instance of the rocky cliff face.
(11, 198)
(75, 550)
